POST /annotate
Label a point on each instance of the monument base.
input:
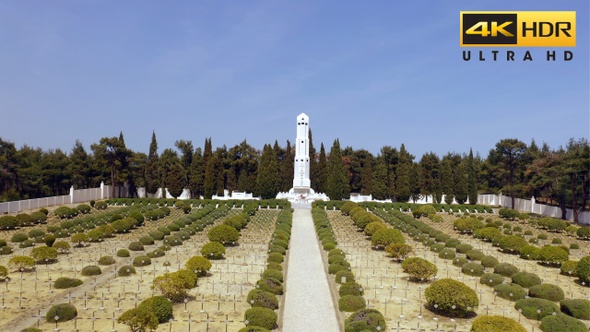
(302, 195)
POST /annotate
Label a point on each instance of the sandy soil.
(218, 302)
(402, 302)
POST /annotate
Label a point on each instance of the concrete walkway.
(308, 302)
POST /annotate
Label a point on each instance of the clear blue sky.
(371, 73)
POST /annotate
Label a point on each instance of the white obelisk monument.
(301, 192)
(301, 182)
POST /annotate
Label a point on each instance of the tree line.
(555, 176)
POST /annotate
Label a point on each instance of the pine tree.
(322, 170)
(471, 179)
(337, 180)
(152, 181)
(402, 180)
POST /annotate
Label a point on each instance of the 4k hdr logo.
(521, 28)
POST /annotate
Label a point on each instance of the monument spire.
(301, 181)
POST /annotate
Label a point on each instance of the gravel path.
(308, 302)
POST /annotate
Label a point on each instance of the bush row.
(263, 298)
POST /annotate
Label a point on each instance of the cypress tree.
(447, 179)
(367, 175)
(402, 180)
(415, 182)
(287, 168)
(460, 180)
(267, 181)
(471, 179)
(151, 172)
(196, 174)
(337, 180)
(176, 179)
(313, 165)
(380, 179)
(209, 180)
(322, 170)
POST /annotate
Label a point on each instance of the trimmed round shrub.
(262, 298)
(142, 261)
(63, 311)
(372, 227)
(135, 246)
(199, 264)
(473, 269)
(561, 322)
(512, 292)
(489, 261)
(157, 235)
(583, 232)
(491, 279)
(530, 306)
(447, 253)
(398, 251)
(213, 250)
(156, 253)
(146, 240)
(452, 243)
(123, 253)
(275, 266)
(496, 324)
(351, 288)
(419, 268)
(437, 247)
(446, 293)
(568, 268)
(577, 308)
(19, 237)
(65, 282)
(224, 234)
(253, 329)
(459, 261)
(275, 257)
(583, 269)
(351, 303)
(91, 270)
(338, 266)
(553, 255)
(386, 236)
(548, 292)
(488, 234)
(275, 274)
(160, 306)
(344, 274)
(106, 260)
(474, 254)
(365, 320)
(512, 243)
(262, 317)
(529, 252)
(270, 285)
(126, 270)
(574, 246)
(526, 279)
(505, 269)
(463, 248)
